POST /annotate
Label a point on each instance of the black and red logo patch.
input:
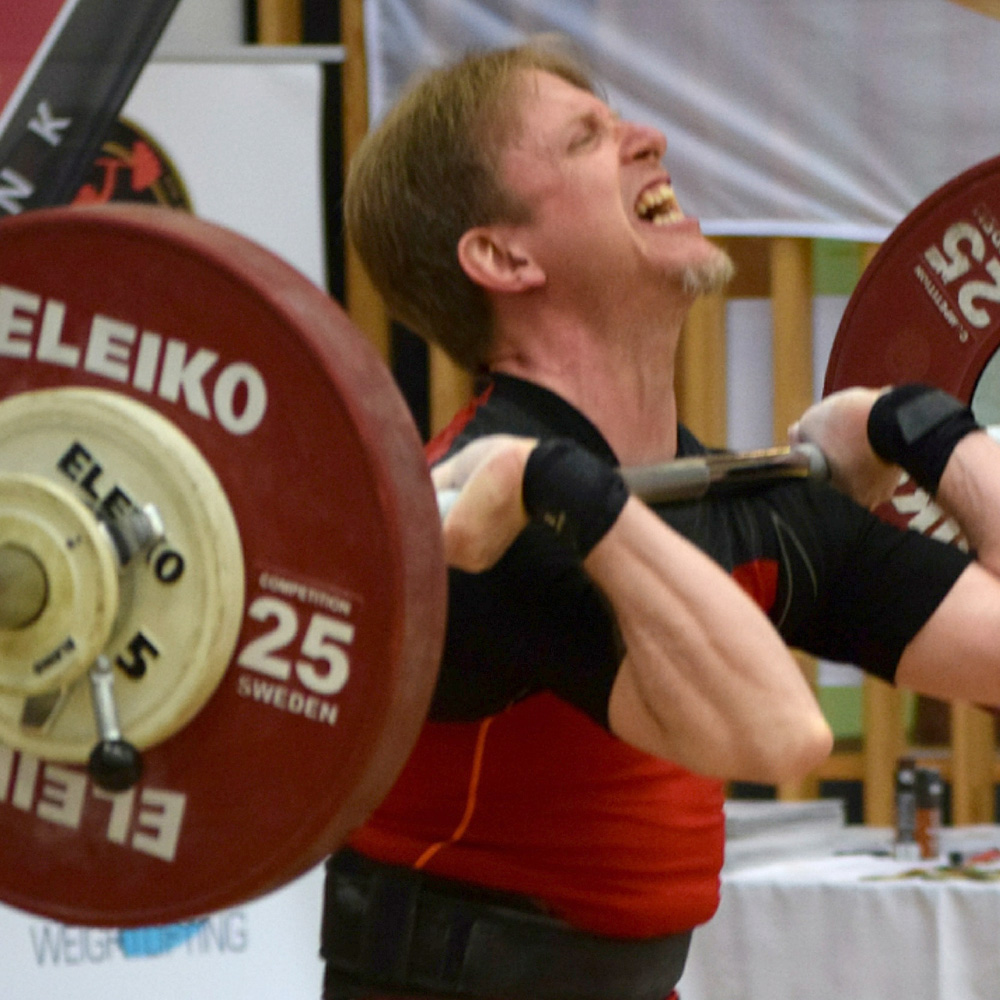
(133, 167)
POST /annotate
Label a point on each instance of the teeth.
(659, 205)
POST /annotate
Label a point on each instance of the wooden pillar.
(364, 305)
(973, 761)
(866, 252)
(792, 335)
(884, 730)
(701, 370)
(884, 743)
(279, 22)
(791, 289)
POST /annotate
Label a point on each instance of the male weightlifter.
(558, 829)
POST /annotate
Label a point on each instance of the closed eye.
(590, 129)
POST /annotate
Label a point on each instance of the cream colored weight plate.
(58, 586)
(179, 602)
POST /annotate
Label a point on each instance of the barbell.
(222, 587)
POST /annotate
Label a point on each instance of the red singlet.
(614, 841)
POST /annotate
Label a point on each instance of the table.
(842, 923)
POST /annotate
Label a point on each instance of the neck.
(623, 383)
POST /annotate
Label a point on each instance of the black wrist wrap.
(572, 491)
(917, 427)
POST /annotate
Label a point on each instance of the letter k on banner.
(66, 68)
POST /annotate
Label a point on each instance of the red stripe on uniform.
(759, 578)
(438, 446)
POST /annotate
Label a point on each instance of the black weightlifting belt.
(389, 931)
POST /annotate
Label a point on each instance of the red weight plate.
(927, 309)
(325, 473)
(928, 306)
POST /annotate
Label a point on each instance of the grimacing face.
(603, 208)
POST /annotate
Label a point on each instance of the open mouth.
(658, 205)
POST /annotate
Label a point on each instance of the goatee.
(711, 275)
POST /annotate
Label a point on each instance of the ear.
(493, 257)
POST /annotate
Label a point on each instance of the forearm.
(707, 681)
(970, 493)
(868, 436)
(955, 654)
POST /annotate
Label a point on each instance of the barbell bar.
(695, 477)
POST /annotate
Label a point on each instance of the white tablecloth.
(846, 926)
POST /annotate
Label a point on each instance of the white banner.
(268, 948)
(245, 140)
(827, 118)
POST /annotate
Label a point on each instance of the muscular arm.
(956, 655)
(970, 492)
(707, 682)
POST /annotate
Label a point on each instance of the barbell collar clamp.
(114, 763)
(133, 531)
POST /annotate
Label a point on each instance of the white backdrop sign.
(827, 118)
(244, 137)
(266, 949)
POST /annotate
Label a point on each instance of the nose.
(642, 142)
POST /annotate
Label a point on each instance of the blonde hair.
(427, 174)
